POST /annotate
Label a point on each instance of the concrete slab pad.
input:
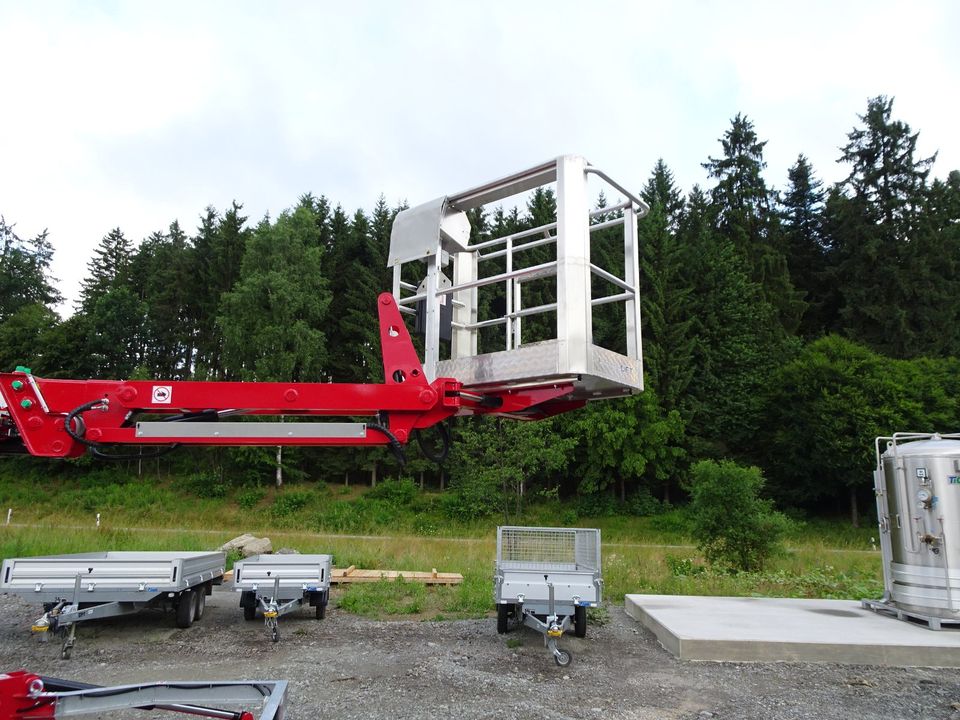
(740, 629)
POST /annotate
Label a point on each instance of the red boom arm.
(62, 418)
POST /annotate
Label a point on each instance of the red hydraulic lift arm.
(63, 418)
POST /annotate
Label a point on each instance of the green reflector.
(23, 369)
(26, 403)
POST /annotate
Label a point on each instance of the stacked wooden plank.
(353, 574)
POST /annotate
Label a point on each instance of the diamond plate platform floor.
(740, 629)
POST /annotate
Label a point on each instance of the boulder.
(237, 543)
(257, 546)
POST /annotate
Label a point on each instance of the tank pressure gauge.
(923, 495)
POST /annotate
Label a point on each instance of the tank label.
(921, 472)
(953, 479)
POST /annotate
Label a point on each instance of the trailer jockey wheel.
(563, 657)
(185, 609)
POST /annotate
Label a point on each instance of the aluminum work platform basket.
(528, 309)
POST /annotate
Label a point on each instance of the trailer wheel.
(503, 618)
(321, 610)
(185, 609)
(201, 604)
(563, 657)
(580, 621)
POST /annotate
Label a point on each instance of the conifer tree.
(741, 207)
(886, 262)
(801, 214)
(668, 341)
(25, 271)
(108, 269)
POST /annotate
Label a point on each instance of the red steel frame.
(37, 408)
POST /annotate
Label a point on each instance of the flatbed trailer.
(279, 584)
(546, 578)
(86, 586)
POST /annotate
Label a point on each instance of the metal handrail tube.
(410, 300)
(514, 236)
(613, 183)
(612, 208)
(502, 320)
(533, 269)
(536, 310)
(525, 246)
(607, 223)
(407, 286)
(600, 272)
(611, 299)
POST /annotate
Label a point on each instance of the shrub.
(596, 505)
(396, 492)
(733, 526)
(206, 484)
(250, 498)
(288, 503)
(642, 503)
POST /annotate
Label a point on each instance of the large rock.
(257, 546)
(248, 545)
(237, 543)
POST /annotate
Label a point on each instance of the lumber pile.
(353, 574)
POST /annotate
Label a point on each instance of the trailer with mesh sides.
(546, 578)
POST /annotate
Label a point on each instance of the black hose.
(428, 453)
(395, 445)
(75, 415)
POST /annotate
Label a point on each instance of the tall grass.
(408, 531)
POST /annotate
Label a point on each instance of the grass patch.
(384, 598)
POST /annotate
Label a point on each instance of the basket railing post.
(574, 321)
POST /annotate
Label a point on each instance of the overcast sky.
(133, 114)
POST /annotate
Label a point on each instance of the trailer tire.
(185, 609)
(563, 657)
(321, 610)
(580, 621)
(503, 618)
(201, 603)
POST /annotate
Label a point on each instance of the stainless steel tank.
(918, 505)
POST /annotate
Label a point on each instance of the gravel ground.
(350, 667)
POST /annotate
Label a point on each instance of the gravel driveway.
(350, 667)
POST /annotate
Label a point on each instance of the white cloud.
(135, 114)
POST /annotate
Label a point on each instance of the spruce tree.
(668, 341)
(109, 268)
(801, 217)
(25, 271)
(741, 207)
(886, 258)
